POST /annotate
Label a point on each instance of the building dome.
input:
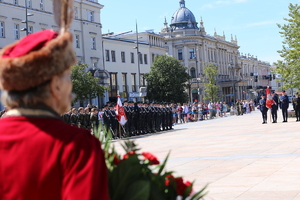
(183, 18)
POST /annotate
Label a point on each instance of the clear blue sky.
(252, 21)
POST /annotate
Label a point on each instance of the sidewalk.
(238, 156)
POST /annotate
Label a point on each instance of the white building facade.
(86, 27)
(127, 57)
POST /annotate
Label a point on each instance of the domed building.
(191, 45)
(183, 18)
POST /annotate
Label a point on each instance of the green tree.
(211, 89)
(167, 80)
(289, 67)
(85, 86)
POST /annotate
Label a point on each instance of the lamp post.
(138, 55)
(197, 72)
(231, 68)
(26, 19)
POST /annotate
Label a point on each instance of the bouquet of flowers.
(140, 175)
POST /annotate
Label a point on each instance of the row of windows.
(90, 15)
(191, 54)
(29, 3)
(114, 82)
(111, 56)
(30, 30)
(16, 30)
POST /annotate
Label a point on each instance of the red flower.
(116, 160)
(152, 159)
(168, 179)
(128, 154)
(181, 186)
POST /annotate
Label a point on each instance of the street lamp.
(26, 19)
(138, 54)
(231, 69)
(197, 72)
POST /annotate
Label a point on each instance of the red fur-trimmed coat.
(47, 159)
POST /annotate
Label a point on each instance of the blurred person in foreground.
(43, 157)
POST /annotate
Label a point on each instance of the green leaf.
(163, 164)
(138, 190)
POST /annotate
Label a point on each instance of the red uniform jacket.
(45, 158)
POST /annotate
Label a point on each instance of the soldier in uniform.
(112, 120)
(74, 118)
(296, 105)
(284, 105)
(66, 117)
(105, 116)
(81, 115)
(152, 120)
(263, 108)
(87, 118)
(274, 107)
(136, 111)
(94, 119)
(131, 117)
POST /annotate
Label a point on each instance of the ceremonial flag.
(269, 100)
(120, 113)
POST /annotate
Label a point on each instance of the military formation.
(142, 118)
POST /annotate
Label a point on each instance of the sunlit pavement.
(238, 156)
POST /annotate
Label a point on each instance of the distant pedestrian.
(263, 108)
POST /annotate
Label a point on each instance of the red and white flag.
(120, 112)
(269, 100)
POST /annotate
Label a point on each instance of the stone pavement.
(238, 156)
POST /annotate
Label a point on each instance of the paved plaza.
(238, 156)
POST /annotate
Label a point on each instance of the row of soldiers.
(142, 118)
(85, 118)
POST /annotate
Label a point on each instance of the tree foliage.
(167, 80)
(289, 67)
(85, 86)
(211, 89)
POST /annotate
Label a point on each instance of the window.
(279, 84)
(141, 58)
(2, 29)
(107, 55)
(113, 85)
(133, 82)
(193, 72)
(145, 59)
(124, 81)
(28, 3)
(113, 56)
(30, 29)
(179, 54)
(90, 15)
(153, 57)
(93, 43)
(75, 12)
(192, 53)
(16, 31)
(16, 2)
(113, 78)
(42, 4)
(132, 57)
(77, 41)
(123, 56)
